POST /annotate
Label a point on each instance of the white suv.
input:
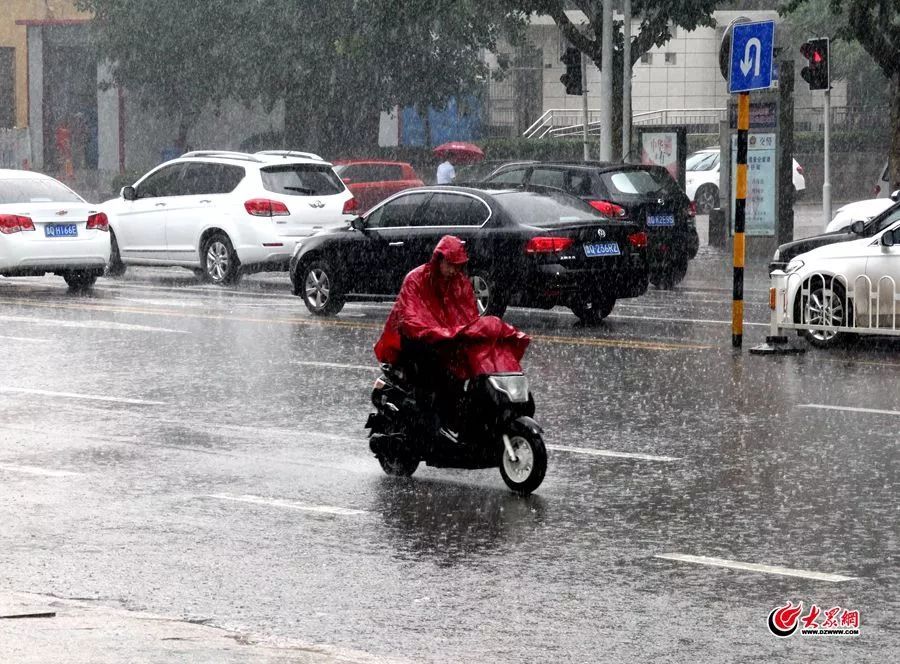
(224, 214)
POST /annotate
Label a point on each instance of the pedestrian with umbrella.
(454, 153)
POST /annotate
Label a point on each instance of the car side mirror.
(129, 193)
(888, 239)
(895, 196)
(359, 224)
(858, 227)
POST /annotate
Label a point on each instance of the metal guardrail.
(686, 116)
(862, 308)
(560, 122)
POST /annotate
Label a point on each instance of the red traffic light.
(816, 72)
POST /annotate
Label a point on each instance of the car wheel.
(490, 299)
(320, 289)
(220, 261)
(115, 267)
(707, 198)
(666, 276)
(593, 309)
(825, 304)
(78, 280)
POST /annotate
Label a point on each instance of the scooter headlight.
(515, 387)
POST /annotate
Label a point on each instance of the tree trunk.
(894, 154)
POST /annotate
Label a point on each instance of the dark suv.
(647, 195)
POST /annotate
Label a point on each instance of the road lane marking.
(699, 321)
(611, 453)
(73, 395)
(34, 470)
(289, 504)
(92, 324)
(336, 365)
(875, 411)
(24, 338)
(574, 341)
(754, 567)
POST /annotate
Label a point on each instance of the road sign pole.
(586, 152)
(740, 211)
(826, 185)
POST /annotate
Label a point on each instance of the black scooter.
(496, 430)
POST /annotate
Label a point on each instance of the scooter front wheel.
(525, 473)
(398, 465)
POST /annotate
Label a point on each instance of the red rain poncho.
(442, 311)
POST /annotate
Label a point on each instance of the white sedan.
(47, 227)
(853, 284)
(858, 211)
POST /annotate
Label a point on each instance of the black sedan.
(532, 246)
(860, 229)
(647, 195)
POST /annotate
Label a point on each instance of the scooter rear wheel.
(398, 465)
(526, 473)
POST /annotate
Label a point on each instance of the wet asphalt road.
(178, 448)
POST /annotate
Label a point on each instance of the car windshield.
(702, 161)
(302, 180)
(640, 182)
(533, 208)
(36, 190)
(882, 221)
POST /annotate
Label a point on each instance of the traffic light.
(572, 78)
(816, 73)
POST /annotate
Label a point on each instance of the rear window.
(37, 190)
(301, 180)
(702, 161)
(640, 182)
(545, 209)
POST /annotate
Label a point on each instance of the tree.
(336, 65)
(657, 18)
(875, 26)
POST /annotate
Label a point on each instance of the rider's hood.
(452, 249)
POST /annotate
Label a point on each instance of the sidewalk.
(86, 632)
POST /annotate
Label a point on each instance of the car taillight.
(692, 209)
(350, 206)
(263, 207)
(607, 208)
(14, 223)
(638, 240)
(98, 221)
(547, 245)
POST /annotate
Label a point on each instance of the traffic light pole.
(740, 212)
(584, 109)
(826, 185)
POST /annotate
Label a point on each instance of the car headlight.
(777, 255)
(793, 266)
(515, 387)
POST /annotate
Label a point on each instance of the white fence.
(831, 304)
(15, 148)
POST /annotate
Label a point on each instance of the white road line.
(289, 504)
(754, 567)
(336, 365)
(820, 406)
(90, 324)
(610, 453)
(73, 395)
(32, 470)
(701, 321)
(35, 339)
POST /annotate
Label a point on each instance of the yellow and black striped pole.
(740, 212)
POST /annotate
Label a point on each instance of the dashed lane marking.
(754, 567)
(89, 324)
(35, 339)
(74, 395)
(873, 411)
(336, 365)
(611, 453)
(34, 470)
(289, 504)
(572, 341)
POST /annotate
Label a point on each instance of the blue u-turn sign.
(751, 56)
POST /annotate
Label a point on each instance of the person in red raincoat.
(435, 323)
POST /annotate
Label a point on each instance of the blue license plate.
(661, 220)
(61, 230)
(602, 249)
